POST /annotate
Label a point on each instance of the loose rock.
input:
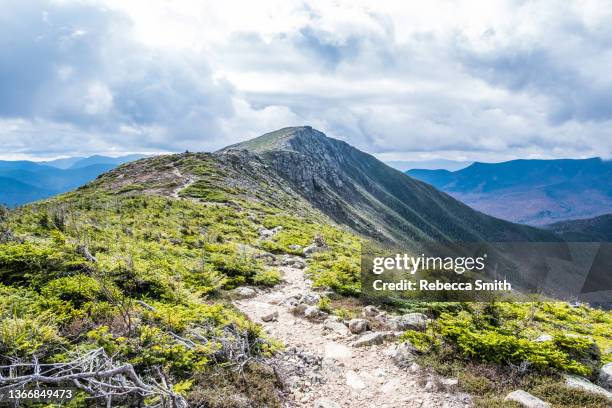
(605, 376)
(403, 354)
(358, 326)
(270, 317)
(311, 312)
(410, 321)
(574, 381)
(369, 339)
(526, 399)
(244, 292)
(370, 311)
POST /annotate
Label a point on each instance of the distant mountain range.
(536, 192)
(450, 165)
(25, 181)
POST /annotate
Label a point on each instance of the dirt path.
(188, 180)
(322, 368)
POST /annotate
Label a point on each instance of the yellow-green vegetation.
(495, 348)
(144, 277)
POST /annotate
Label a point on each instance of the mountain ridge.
(300, 165)
(25, 181)
(536, 192)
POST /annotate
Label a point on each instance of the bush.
(77, 290)
(475, 338)
(267, 277)
(24, 337)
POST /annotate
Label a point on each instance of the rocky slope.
(353, 188)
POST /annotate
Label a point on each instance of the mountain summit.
(355, 189)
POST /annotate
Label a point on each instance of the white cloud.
(468, 80)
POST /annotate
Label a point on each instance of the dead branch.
(95, 373)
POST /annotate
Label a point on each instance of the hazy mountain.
(25, 181)
(530, 191)
(450, 165)
(78, 162)
(13, 192)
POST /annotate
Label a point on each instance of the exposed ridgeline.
(353, 188)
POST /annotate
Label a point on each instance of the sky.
(453, 80)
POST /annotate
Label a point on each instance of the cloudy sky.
(482, 80)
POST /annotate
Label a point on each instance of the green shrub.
(23, 337)
(267, 277)
(476, 338)
(77, 289)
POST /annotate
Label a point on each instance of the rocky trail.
(326, 366)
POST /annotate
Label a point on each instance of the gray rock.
(526, 400)
(410, 321)
(311, 312)
(270, 317)
(358, 326)
(325, 403)
(370, 311)
(369, 339)
(295, 247)
(543, 338)
(404, 354)
(449, 383)
(244, 292)
(310, 298)
(313, 249)
(574, 381)
(293, 262)
(605, 376)
(298, 309)
(415, 368)
(335, 327)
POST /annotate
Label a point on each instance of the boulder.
(370, 311)
(581, 383)
(605, 376)
(369, 339)
(311, 312)
(270, 317)
(295, 247)
(526, 400)
(325, 403)
(358, 326)
(243, 292)
(410, 321)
